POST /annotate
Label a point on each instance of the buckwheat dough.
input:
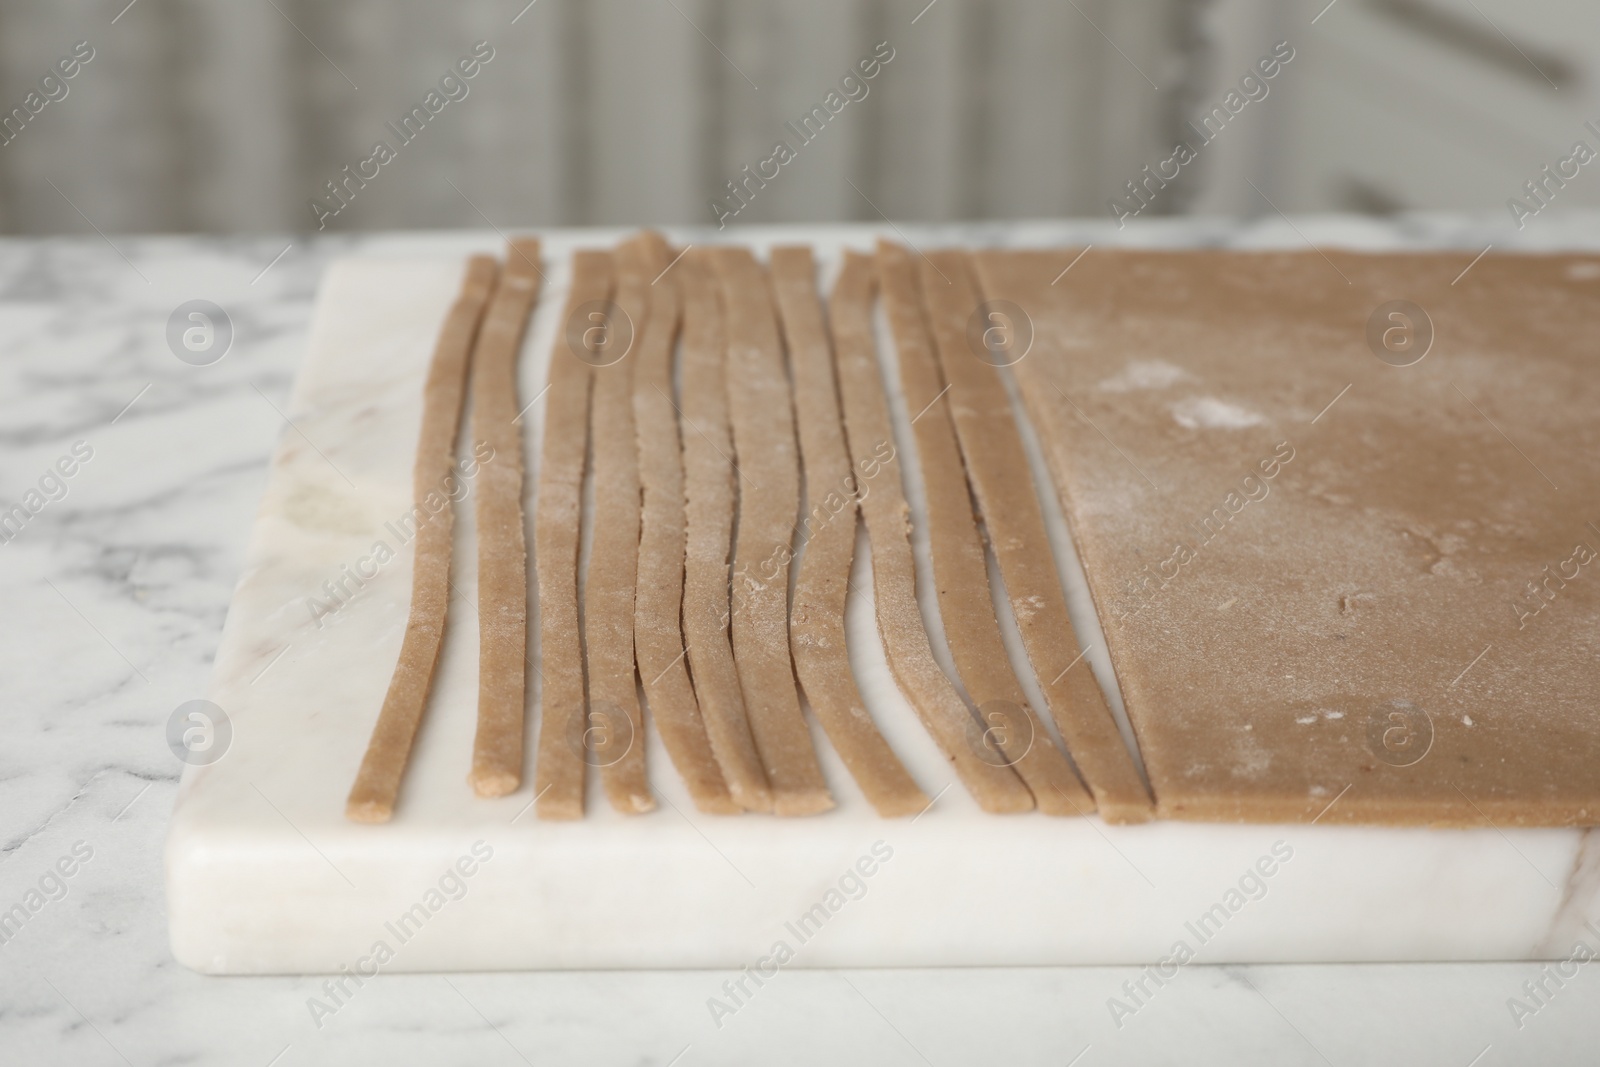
(997, 468)
(615, 724)
(377, 783)
(994, 786)
(828, 530)
(709, 475)
(558, 511)
(1010, 730)
(762, 416)
(658, 605)
(1316, 603)
(502, 552)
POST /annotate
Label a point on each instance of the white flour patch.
(1144, 374)
(1583, 272)
(1209, 413)
(1027, 607)
(1250, 759)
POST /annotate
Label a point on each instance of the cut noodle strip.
(1009, 731)
(502, 549)
(997, 467)
(762, 416)
(822, 583)
(559, 772)
(377, 784)
(994, 786)
(709, 474)
(658, 605)
(615, 724)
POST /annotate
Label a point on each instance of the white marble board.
(265, 874)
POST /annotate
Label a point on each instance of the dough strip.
(709, 475)
(657, 623)
(377, 784)
(997, 467)
(559, 771)
(615, 724)
(762, 416)
(994, 786)
(502, 550)
(1009, 730)
(822, 584)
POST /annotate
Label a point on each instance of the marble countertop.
(116, 589)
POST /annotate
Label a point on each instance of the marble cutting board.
(265, 875)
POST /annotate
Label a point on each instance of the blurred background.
(230, 116)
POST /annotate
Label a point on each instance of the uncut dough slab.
(246, 893)
(1353, 628)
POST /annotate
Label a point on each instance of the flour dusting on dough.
(1025, 608)
(1251, 759)
(1209, 413)
(1144, 374)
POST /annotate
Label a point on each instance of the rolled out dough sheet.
(265, 875)
(1313, 565)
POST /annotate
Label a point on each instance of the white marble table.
(116, 592)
